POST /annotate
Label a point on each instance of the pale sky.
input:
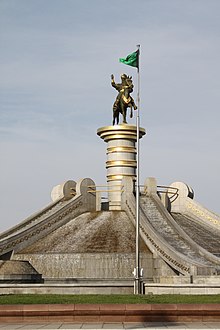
(56, 60)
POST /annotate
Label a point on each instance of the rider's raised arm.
(113, 81)
(116, 86)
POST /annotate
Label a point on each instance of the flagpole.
(137, 257)
(133, 60)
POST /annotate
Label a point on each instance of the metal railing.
(171, 192)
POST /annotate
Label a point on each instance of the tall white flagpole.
(137, 271)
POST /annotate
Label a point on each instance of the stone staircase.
(163, 226)
(206, 237)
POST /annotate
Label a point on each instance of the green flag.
(131, 59)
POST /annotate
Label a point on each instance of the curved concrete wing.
(50, 218)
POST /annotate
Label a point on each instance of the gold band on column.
(122, 149)
(118, 177)
(127, 163)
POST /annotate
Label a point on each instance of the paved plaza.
(93, 326)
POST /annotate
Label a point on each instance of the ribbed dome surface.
(102, 232)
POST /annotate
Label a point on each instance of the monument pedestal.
(121, 158)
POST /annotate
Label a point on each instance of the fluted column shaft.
(121, 158)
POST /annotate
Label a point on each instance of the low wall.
(85, 286)
(182, 289)
(110, 313)
(79, 287)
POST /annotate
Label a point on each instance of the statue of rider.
(126, 82)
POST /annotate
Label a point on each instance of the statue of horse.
(124, 101)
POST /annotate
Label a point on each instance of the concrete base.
(18, 271)
(99, 266)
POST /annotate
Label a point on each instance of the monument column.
(121, 158)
